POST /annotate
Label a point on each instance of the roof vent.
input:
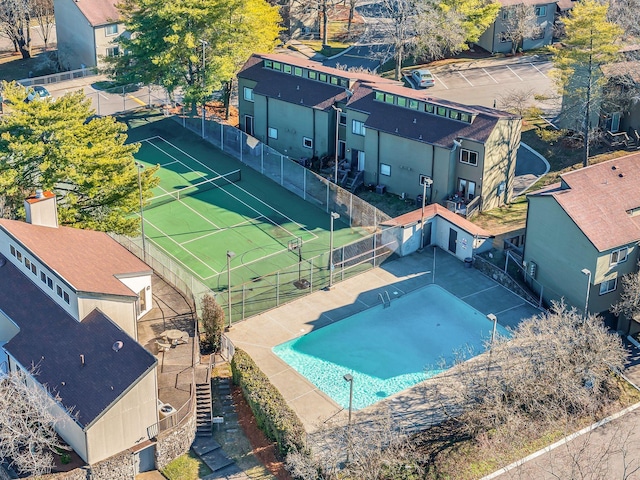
(396, 129)
(614, 167)
(415, 121)
(621, 175)
(297, 87)
(117, 346)
(82, 360)
(39, 193)
(420, 136)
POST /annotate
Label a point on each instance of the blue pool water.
(388, 350)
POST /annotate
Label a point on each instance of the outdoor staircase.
(204, 409)
(354, 182)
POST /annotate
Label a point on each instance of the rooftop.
(99, 12)
(51, 342)
(603, 200)
(89, 261)
(434, 209)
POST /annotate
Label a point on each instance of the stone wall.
(118, 467)
(504, 279)
(77, 474)
(176, 441)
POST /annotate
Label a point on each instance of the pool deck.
(259, 334)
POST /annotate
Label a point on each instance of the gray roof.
(51, 341)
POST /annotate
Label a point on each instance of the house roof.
(603, 200)
(629, 69)
(99, 12)
(428, 128)
(533, 3)
(89, 261)
(51, 342)
(564, 5)
(433, 210)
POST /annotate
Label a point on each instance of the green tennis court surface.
(197, 214)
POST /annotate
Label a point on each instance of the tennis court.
(208, 203)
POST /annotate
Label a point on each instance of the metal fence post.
(262, 159)
(244, 296)
(278, 288)
(281, 169)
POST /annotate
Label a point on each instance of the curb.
(547, 167)
(561, 442)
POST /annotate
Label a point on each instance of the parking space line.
(460, 73)
(515, 73)
(438, 79)
(485, 71)
(539, 71)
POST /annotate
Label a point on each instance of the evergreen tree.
(58, 145)
(591, 41)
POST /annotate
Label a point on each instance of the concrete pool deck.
(259, 334)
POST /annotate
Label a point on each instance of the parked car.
(37, 92)
(423, 78)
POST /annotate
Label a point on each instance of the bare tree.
(516, 101)
(42, 13)
(27, 434)
(521, 23)
(212, 321)
(305, 11)
(15, 22)
(629, 303)
(624, 13)
(352, 8)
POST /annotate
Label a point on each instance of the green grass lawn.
(186, 467)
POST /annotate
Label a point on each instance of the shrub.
(273, 416)
(212, 322)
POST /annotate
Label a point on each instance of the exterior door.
(453, 240)
(360, 160)
(615, 122)
(248, 125)
(342, 148)
(144, 460)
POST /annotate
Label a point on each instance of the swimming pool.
(388, 350)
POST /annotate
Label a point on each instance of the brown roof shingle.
(99, 12)
(89, 261)
(598, 198)
(434, 209)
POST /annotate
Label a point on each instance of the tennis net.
(209, 184)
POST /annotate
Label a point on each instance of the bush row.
(273, 416)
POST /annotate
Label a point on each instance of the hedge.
(273, 416)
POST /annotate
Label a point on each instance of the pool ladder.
(385, 302)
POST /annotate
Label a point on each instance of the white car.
(423, 78)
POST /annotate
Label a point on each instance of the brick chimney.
(42, 209)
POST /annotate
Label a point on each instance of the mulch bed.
(263, 448)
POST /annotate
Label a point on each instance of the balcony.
(463, 207)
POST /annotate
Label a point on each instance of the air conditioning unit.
(166, 412)
(533, 269)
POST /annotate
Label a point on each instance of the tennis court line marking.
(240, 188)
(246, 222)
(246, 264)
(176, 160)
(148, 139)
(199, 260)
(194, 211)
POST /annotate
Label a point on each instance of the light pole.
(349, 378)
(139, 168)
(587, 272)
(230, 255)
(204, 103)
(494, 319)
(334, 216)
(335, 170)
(426, 182)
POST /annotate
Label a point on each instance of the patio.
(171, 311)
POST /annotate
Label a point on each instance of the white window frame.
(247, 94)
(614, 258)
(605, 287)
(113, 51)
(541, 11)
(272, 133)
(307, 142)
(385, 169)
(358, 128)
(108, 28)
(468, 153)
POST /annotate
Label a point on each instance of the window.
(414, 104)
(277, 66)
(358, 128)
(297, 71)
(608, 286)
(43, 277)
(273, 133)
(466, 189)
(19, 255)
(27, 263)
(380, 96)
(503, 37)
(453, 114)
(66, 297)
(323, 77)
(469, 157)
(538, 34)
(111, 29)
(334, 80)
(286, 69)
(541, 11)
(428, 108)
(385, 169)
(50, 283)
(313, 75)
(113, 51)
(268, 63)
(59, 291)
(618, 256)
(343, 119)
(307, 142)
(13, 250)
(34, 269)
(248, 94)
(402, 102)
(388, 98)
(441, 111)
(344, 83)
(465, 117)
